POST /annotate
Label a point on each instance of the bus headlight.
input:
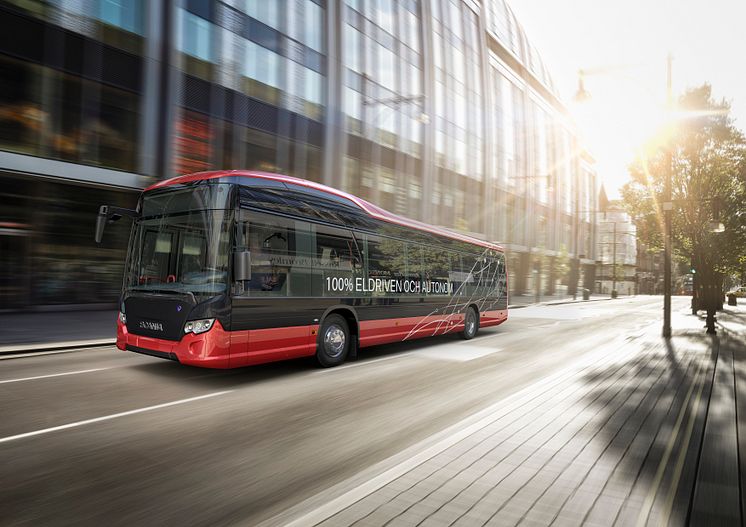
(198, 326)
(122, 318)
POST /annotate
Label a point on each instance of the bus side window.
(387, 260)
(471, 267)
(280, 259)
(337, 263)
(437, 266)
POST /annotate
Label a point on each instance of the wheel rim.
(471, 324)
(334, 341)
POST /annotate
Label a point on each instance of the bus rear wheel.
(333, 342)
(471, 324)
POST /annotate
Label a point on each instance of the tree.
(708, 171)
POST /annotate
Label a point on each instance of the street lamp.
(582, 95)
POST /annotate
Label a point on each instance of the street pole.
(667, 208)
(613, 265)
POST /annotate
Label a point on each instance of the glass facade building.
(440, 110)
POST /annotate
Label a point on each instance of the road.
(103, 436)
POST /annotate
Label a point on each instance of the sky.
(629, 40)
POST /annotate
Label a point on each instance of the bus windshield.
(180, 251)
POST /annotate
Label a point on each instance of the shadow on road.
(222, 379)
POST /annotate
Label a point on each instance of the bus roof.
(367, 207)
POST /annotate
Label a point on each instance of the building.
(441, 110)
(617, 249)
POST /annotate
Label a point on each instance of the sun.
(619, 118)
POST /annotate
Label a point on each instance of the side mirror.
(103, 217)
(242, 265)
(108, 213)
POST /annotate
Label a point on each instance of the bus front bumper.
(208, 350)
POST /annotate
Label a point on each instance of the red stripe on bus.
(219, 348)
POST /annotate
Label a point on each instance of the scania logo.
(152, 326)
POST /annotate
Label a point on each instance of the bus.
(234, 268)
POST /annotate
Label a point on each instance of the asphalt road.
(103, 436)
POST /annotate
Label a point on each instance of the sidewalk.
(646, 432)
(56, 330)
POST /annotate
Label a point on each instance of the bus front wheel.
(471, 324)
(334, 341)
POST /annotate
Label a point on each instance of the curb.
(54, 346)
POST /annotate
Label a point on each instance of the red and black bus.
(233, 268)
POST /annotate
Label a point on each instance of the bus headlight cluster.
(198, 326)
(122, 318)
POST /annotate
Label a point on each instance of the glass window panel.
(385, 15)
(194, 36)
(313, 82)
(455, 14)
(352, 48)
(281, 257)
(262, 64)
(387, 67)
(265, 11)
(314, 25)
(386, 263)
(337, 263)
(126, 14)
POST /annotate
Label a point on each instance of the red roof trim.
(369, 208)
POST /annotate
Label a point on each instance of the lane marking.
(109, 417)
(30, 354)
(77, 344)
(458, 353)
(55, 375)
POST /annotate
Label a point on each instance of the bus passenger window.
(337, 263)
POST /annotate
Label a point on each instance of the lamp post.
(667, 209)
(583, 95)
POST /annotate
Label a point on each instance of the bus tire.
(471, 324)
(334, 341)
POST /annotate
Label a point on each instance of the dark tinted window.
(178, 199)
(338, 264)
(437, 270)
(282, 256)
(386, 260)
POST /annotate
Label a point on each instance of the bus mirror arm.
(242, 265)
(107, 214)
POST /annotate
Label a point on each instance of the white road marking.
(457, 353)
(53, 375)
(61, 346)
(109, 417)
(26, 355)
(443, 352)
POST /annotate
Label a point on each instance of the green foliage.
(708, 169)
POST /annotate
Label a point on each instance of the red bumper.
(210, 349)
(218, 348)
